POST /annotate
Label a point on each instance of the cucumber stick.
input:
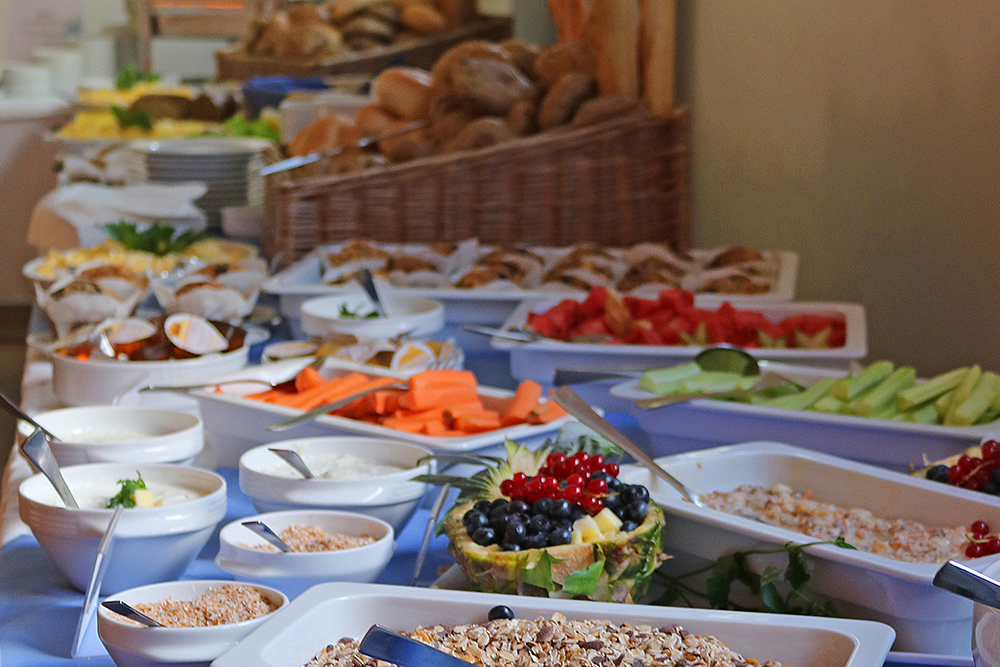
(829, 404)
(962, 392)
(849, 388)
(660, 380)
(712, 381)
(926, 414)
(885, 392)
(978, 402)
(930, 390)
(804, 399)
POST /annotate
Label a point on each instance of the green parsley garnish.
(130, 75)
(346, 312)
(128, 118)
(126, 496)
(158, 239)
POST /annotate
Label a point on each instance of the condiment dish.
(346, 313)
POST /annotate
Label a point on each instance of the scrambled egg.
(109, 97)
(101, 124)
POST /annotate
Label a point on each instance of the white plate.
(926, 619)
(234, 424)
(327, 612)
(706, 423)
(222, 148)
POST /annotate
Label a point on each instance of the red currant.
(555, 459)
(592, 505)
(573, 493)
(580, 460)
(979, 528)
(993, 546)
(575, 480)
(595, 463)
(507, 487)
(991, 450)
(597, 486)
(955, 474)
(545, 471)
(519, 479)
(550, 485)
(611, 469)
(981, 478)
(975, 550)
(966, 463)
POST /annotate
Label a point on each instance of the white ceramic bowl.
(104, 434)
(293, 573)
(138, 646)
(421, 317)
(986, 628)
(150, 545)
(100, 381)
(273, 486)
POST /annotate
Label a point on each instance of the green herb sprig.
(130, 75)
(128, 118)
(733, 568)
(347, 312)
(126, 496)
(158, 239)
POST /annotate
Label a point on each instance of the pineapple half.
(618, 569)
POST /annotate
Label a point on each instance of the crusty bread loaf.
(323, 134)
(409, 146)
(366, 26)
(613, 37)
(564, 98)
(605, 108)
(480, 133)
(405, 91)
(441, 71)
(423, 19)
(275, 36)
(313, 40)
(522, 54)
(305, 12)
(374, 119)
(457, 12)
(341, 10)
(657, 51)
(489, 86)
(558, 60)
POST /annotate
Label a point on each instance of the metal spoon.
(968, 583)
(263, 531)
(364, 276)
(523, 336)
(390, 646)
(130, 612)
(329, 407)
(292, 458)
(12, 407)
(577, 407)
(36, 449)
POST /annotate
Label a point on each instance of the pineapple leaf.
(474, 459)
(461, 483)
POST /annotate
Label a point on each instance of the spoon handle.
(263, 530)
(365, 278)
(968, 583)
(36, 449)
(128, 611)
(577, 407)
(329, 407)
(384, 644)
(15, 411)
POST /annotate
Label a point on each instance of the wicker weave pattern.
(617, 183)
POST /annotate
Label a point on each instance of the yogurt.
(97, 496)
(335, 466)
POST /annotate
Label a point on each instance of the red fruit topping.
(611, 469)
(506, 487)
(595, 463)
(555, 459)
(519, 479)
(975, 550)
(993, 546)
(545, 471)
(991, 450)
(580, 459)
(597, 486)
(573, 493)
(979, 528)
(955, 474)
(981, 478)
(575, 480)
(966, 463)
(592, 505)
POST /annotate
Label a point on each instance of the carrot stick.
(343, 392)
(478, 422)
(403, 425)
(315, 396)
(524, 401)
(546, 412)
(428, 396)
(441, 377)
(270, 396)
(308, 378)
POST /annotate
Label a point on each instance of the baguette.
(657, 51)
(576, 15)
(613, 36)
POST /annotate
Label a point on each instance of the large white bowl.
(105, 434)
(150, 544)
(101, 381)
(420, 317)
(138, 646)
(293, 573)
(273, 486)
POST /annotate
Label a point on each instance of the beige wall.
(865, 135)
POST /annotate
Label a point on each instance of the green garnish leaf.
(772, 599)
(347, 312)
(126, 495)
(584, 582)
(540, 572)
(158, 239)
(130, 75)
(129, 118)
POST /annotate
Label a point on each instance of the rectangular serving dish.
(882, 442)
(862, 585)
(327, 612)
(538, 361)
(234, 424)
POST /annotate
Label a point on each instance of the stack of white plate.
(229, 167)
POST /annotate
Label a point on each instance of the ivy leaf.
(718, 583)
(772, 599)
(771, 573)
(583, 582)
(797, 573)
(744, 574)
(539, 573)
(843, 544)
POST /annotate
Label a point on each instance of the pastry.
(480, 133)
(490, 86)
(604, 108)
(423, 19)
(558, 60)
(405, 91)
(564, 98)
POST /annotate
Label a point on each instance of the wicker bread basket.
(617, 183)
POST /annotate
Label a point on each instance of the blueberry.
(484, 506)
(515, 533)
(484, 537)
(511, 547)
(537, 541)
(539, 524)
(615, 485)
(995, 473)
(518, 507)
(517, 518)
(600, 474)
(938, 473)
(500, 612)
(636, 493)
(543, 506)
(498, 524)
(560, 536)
(991, 488)
(499, 502)
(613, 502)
(474, 520)
(561, 509)
(628, 526)
(563, 524)
(498, 511)
(636, 511)
(577, 513)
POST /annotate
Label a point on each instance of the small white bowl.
(293, 573)
(138, 646)
(150, 544)
(986, 628)
(274, 486)
(420, 317)
(106, 434)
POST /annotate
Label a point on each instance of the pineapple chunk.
(143, 498)
(607, 521)
(610, 535)
(589, 530)
(576, 537)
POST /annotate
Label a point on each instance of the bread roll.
(657, 51)
(306, 12)
(605, 108)
(448, 125)
(374, 119)
(490, 86)
(441, 72)
(457, 12)
(409, 146)
(558, 60)
(383, 10)
(564, 98)
(522, 117)
(163, 106)
(322, 134)
(365, 26)
(423, 19)
(341, 10)
(613, 37)
(405, 91)
(522, 54)
(313, 40)
(275, 36)
(480, 133)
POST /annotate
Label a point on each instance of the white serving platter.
(862, 585)
(327, 612)
(234, 424)
(538, 361)
(883, 442)
(489, 306)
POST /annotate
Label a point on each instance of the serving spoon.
(963, 580)
(292, 458)
(577, 407)
(364, 276)
(12, 407)
(130, 612)
(391, 646)
(262, 530)
(36, 449)
(329, 407)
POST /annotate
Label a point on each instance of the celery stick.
(929, 390)
(886, 391)
(803, 400)
(771, 393)
(847, 389)
(978, 402)
(888, 411)
(942, 403)
(711, 381)
(962, 392)
(925, 414)
(988, 417)
(660, 380)
(829, 404)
